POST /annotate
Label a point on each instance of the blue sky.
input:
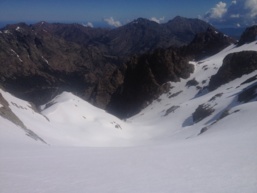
(113, 12)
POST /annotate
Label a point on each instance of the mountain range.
(40, 61)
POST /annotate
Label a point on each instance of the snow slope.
(183, 100)
(71, 146)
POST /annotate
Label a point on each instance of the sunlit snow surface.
(89, 150)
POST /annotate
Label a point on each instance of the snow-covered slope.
(68, 121)
(173, 111)
(162, 149)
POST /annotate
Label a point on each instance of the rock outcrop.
(234, 66)
(208, 43)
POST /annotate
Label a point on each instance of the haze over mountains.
(183, 95)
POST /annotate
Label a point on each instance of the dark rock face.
(144, 78)
(248, 94)
(234, 66)
(202, 111)
(192, 82)
(248, 36)
(208, 43)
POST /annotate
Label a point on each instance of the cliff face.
(144, 80)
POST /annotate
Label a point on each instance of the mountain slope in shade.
(146, 75)
(189, 139)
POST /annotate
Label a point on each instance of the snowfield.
(71, 146)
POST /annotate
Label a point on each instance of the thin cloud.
(217, 12)
(235, 16)
(237, 13)
(89, 24)
(252, 6)
(234, 2)
(110, 21)
(157, 20)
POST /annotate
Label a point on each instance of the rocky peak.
(18, 29)
(14, 26)
(249, 35)
(208, 43)
(177, 20)
(209, 35)
(185, 29)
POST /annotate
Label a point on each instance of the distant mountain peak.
(209, 42)
(15, 26)
(179, 18)
(41, 23)
(142, 21)
(249, 35)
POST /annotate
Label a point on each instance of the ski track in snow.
(89, 150)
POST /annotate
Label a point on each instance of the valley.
(184, 120)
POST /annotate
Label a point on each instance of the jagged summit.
(19, 27)
(179, 19)
(208, 43)
(191, 27)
